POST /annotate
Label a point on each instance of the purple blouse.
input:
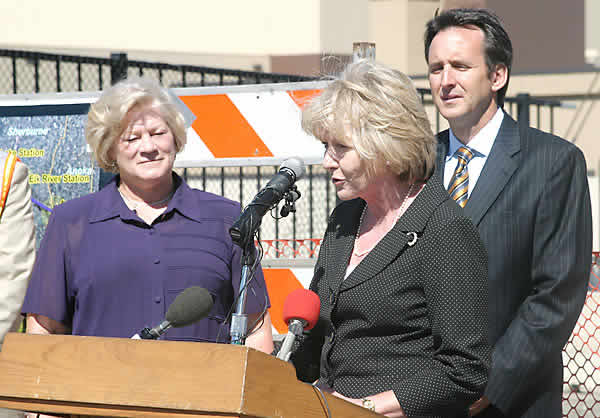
(102, 271)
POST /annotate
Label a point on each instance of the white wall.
(387, 26)
(343, 22)
(198, 26)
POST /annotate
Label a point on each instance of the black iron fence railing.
(35, 72)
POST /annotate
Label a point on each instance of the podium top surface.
(123, 377)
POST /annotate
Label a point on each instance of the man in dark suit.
(527, 193)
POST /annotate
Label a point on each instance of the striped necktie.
(459, 185)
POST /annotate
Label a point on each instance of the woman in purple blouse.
(112, 262)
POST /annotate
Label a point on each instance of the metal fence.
(282, 238)
(33, 72)
(537, 112)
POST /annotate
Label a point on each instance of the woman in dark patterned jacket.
(401, 273)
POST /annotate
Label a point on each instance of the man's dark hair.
(498, 48)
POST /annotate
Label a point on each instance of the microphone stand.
(239, 319)
(238, 329)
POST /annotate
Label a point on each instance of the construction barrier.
(247, 125)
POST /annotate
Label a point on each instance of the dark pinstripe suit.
(531, 205)
(409, 318)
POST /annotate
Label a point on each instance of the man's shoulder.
(537, 137)
(542, 145)
(533, 138)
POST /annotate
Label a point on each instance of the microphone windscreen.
(191, 305)
(295, 164)
(302, 304)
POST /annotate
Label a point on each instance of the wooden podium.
(117, 377)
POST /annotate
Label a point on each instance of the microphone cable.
(251, 275)
(321, 395)
(261, 318)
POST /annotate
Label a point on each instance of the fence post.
(363, 50)
(118, 67)
(523, 101)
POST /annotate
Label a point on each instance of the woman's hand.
(478, 406)
(40, 324)
(351, 400)
(386, 403)
(261, 337)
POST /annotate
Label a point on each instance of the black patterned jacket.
(411, 317)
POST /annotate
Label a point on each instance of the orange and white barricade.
(247, 125)
(255, 125)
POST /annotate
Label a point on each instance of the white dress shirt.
(481, 145)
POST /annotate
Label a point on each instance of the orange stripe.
(224, 130)
(7, 175)
(280, 282)
(459, 194)
(302, 97)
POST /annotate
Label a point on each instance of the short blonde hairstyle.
(379, 111)
(107, 118)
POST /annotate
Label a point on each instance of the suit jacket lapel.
(338, 254)
(442, 151)
(497, 171)
(383, 254)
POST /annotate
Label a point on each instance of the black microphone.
(191, 305)
(248, 222)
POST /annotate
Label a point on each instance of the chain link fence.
(581, 356)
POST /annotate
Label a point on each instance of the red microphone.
(300, 311)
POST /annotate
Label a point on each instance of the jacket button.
(331, 337)
(332, 299)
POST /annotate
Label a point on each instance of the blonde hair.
(379, 111)
(107, 117)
